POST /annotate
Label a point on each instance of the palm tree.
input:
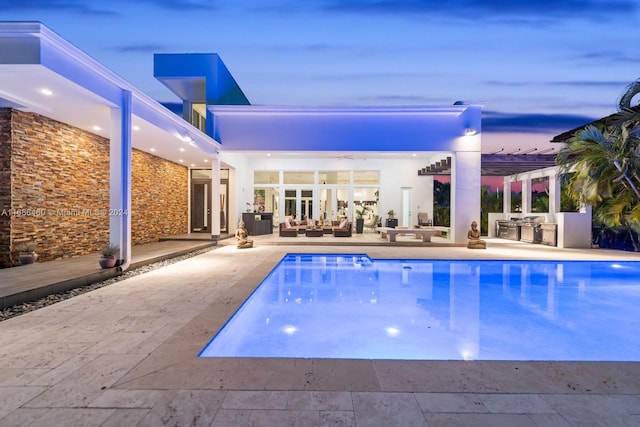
(606, 169)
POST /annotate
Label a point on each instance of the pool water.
(355, 307)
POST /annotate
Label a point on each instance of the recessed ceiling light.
(97, 128)
(182, 149)
(46, 91)
(192, 165)
(268, 154)
(181, 161)
(136, 128)
(152, 149)
(414, 154)
(206, 160)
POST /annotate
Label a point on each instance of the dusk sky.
(540, 67)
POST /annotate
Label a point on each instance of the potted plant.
(391, 221)
(27, 252)
(108, 255)
(360, 217)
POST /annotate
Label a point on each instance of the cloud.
(66, 6)
(99, 7)
(141, 48)
(395, 99)
(561, 9)
(609, 56)
(498, 122)
(582, 83)
(181, 5)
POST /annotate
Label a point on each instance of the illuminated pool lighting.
(354, 307)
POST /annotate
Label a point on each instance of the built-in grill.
(549, 234)
(508, 228)
(530, 230)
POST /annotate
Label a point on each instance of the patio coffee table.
(316, 232)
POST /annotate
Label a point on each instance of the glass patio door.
(306, 204)
(298, 203)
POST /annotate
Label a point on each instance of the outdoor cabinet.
(258, 223)
(391, 222)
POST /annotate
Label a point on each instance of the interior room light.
(187, 138)
(470, 132)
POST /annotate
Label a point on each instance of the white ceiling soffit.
(156, 129)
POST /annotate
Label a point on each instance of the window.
(331, 177)
(266, 177)
(298, 177)
(366, 177)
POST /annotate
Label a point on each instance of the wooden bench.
(425, 233)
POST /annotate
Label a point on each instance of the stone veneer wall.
(159, 198)
(5, 185)
(59, 191)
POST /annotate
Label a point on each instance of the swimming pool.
(354, 307)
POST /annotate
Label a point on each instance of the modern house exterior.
(89, 159)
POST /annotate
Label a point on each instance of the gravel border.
(27, 307)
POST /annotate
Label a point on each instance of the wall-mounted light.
(470, 132)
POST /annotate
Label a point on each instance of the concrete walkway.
(27, 283)
(126, 355)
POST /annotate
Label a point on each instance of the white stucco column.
(506, 196)
(554, 196)
(120, 180)
(215, 196)
(526, 195)
(465, 193)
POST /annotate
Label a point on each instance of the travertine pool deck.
(126, 355)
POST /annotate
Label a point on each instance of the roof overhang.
(370, 129)
(497, 164)
(603, 123)
(198, 78)
(83, 93)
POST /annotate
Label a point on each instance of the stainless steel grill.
(530, 229)
(508, 228)
(549, 234)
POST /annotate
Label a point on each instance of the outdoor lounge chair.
(373, 223)
(342, 232)
(285, 231)
(423, 219)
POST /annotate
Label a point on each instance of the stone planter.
(27, 258)
(107, 261)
